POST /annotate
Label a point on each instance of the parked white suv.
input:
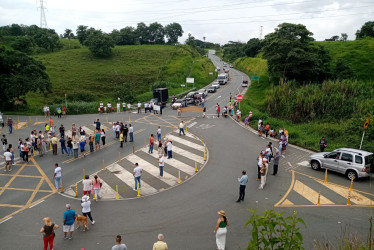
(353, 163)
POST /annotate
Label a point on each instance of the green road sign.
(255, 78)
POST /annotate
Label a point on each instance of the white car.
(216, 85)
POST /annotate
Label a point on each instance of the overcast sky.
(219, 21)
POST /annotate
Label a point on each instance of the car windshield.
(333, 155)
(221, 77)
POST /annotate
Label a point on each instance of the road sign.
(190, 80)
(255, 78)
(183, 85)
(239, 98)
(366, 124)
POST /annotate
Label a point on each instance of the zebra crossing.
(188, 156)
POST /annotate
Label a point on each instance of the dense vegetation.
(336, 109)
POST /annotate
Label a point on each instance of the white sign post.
(190, 80)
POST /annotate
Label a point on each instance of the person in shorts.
(87, 185)
(68, 222)
(8, 160)
(82, 145)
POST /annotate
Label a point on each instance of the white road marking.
(128, 178)
(289, 164)
(185, 142)
(189, 155)
(6, 219)
(175, 163)
(192, 124)
(217, 97)
(283, 156)
(36, 204)
(152, 169)
(304, 164)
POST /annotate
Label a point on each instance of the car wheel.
(315, 165)
(351, 175)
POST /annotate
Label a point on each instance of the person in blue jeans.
(151, 143)
(69, 218)
(10, 125)
(131, 133)
(63, 146)
(159, 133)
(137, 174)
(57, 177)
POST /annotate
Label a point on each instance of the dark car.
(211, 90)
(190, 97)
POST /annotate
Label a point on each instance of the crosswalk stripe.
(310, 194)
(303, 163)
(192, 124)
(128, 178)
(152, 169)
(356, 197)
(88, 130)
(189, 155)
(185, 142)
(175, 163)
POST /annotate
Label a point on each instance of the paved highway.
(186, 213)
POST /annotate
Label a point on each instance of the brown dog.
(82, 219)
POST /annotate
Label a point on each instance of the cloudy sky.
(219, 21)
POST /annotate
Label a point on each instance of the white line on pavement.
(192, 124)
(185, 142)
(189, 155)
(6, 219)
(36, 204)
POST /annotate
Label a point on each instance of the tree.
(24, 44)
(343, 37)
(142, 33)
(343, 70)
(173, 31)
(68, 34)
(252, 47)
(82, 33)
(156, 33)
(333, 38)
(99, 43)
(20, 74)
(291, 55)
(366, 30)
(47, 39)
(233, 50)
(127, 36)
(190, 40)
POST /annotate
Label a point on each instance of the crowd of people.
(148, 107)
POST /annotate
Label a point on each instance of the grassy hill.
(340, 132)
(82, 77)
(359, 54)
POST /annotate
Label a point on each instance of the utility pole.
(261, 30)
(43, 20)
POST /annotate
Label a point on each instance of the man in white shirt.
(139, 108)
(118, 107)
(169, 147)
(124, 106)
(181, 128)
(161, 164)
(137, 174)
(129, 107)
(145, 107)
(131, 133)
(159, 133)
(118, 128)
(8, 160)
(57, 177)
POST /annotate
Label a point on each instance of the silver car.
(353, 163)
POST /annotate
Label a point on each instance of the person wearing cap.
(243, 180)
(160, 244)
(86, 208)
(54, 145)
(221, 230)
(264, 172)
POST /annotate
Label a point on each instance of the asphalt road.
(186, 214)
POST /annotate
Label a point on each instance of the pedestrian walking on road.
(10, 125)
(160, 149)
(161, 164)
(87, 185)
(4, 141)
(243, 180)
(91, 142)
(159, 133)
(8, 160)
(119, 245)
(322, 144)
(73, 131)
(276, 162)
(57, 176)
(102, 135)
(139, 108)
(181, 128)
(75, 148)
(63, 146)
(169, 147)
(151, 144)
(218, 109)
(259, 164)
(86, 208)
(82, 145)
(131, 133)
(54, 144)
(98, 124)
(48, 231)
(137, 174)
(121, 140)
(68, 222)
(160, 244)
(11, 150)
(125, 132)
(96, 184)
(221, 230)
(97, 139)
(61, 129)
(264, 172)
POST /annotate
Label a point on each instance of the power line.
(43, 20)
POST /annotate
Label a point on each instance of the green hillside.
(359, 54)
(82, 77)
(341, 131)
